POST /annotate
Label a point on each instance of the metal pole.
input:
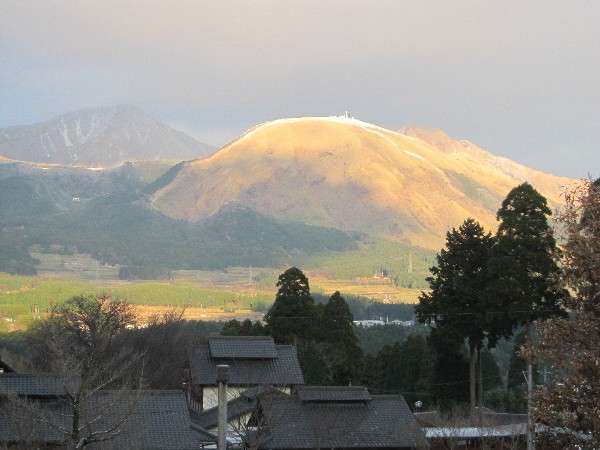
(222, 378)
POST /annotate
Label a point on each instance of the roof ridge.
(332, 387)
(36, 375)
(243, 338)
(386, 396)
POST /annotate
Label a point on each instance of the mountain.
(347, 174)
(99, 137)
(105, 213)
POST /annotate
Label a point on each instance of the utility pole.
(530, 431)
(222, 379)
(530, 424)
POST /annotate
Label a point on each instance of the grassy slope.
(351, 177)
(373, 255)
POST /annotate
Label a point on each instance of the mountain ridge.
(104, 136)
(343, 173)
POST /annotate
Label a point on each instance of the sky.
(520, 78)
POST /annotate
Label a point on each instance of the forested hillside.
(106, 214)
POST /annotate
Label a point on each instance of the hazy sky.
(521, 78)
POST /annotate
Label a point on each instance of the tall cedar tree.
(340, 342)
(524, 271)
(403, 368)
(458, 303)
(572, 345)
(293, 315)
(450, 369)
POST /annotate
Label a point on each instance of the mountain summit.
(355, 176)
(102, 137)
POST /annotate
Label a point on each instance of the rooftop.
(282, 369)
(248, 347)
(22, 384)
(340, 394)
(334, 422)
(146, 420)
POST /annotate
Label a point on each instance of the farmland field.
(205, 295)
(22, 298)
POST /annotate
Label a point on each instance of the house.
(368, 323)
(35, 412)
(5, 365)
(240, 412)
(5, 368)
(336, 417)
(496, 430)
(253, 361)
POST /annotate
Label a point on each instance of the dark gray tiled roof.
(284, 369)
(4, 367)
(333, 393)
(35, 385)
(150, 420)
(382, 422)
(160, 421)
(247, 347)
(205, 436)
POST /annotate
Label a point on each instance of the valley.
(237, 293)
(360, 208)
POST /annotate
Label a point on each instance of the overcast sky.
(521, 78)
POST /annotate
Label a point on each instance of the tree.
(315, 363)
(293, 314)
(403, 368)
(490, 372)
(336, 333)
(245, 328)
(523, 269)
(458, 303)
(450, 368)
(80, 344)
(571, 345)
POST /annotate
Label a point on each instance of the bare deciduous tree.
(252, 428)
(570, 405)
(99, 379)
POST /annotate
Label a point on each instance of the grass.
(382, 291)
(216, 294)
(372, 256)
(22, 298)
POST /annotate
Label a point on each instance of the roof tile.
(247, 347)
(282, 370)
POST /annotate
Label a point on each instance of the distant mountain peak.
(352, 175)
(103, 136)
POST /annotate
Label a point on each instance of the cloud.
(495, 72)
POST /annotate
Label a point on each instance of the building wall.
(210, 394)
